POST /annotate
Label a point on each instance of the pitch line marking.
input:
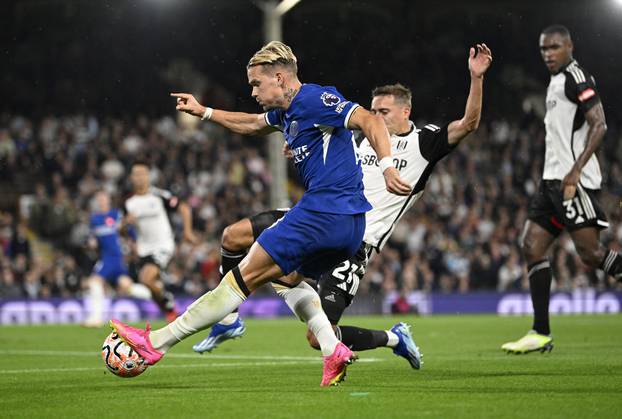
(215, 364)
(30, 352)
(260, 360)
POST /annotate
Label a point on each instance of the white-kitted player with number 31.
(567, 196)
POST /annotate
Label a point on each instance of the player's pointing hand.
(187, 103)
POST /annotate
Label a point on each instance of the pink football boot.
(335, 365)
(138, 340)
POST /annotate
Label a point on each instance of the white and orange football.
(120, 359)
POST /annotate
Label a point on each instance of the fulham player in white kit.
(567, 196)
(147, 210)
(415, 152)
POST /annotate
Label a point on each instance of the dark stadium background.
(113, 56)
(114, 63)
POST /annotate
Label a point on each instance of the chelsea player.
(324, 228)
(105, 223)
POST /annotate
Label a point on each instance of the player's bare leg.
(535, 245)
(149, 275)
(590, 250)
(238, 236)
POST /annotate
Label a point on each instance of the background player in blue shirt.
(324, 228)
(104, 224)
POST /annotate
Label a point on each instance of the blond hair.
(275, 53)
(400, 92)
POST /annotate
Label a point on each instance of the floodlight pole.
(274, 11)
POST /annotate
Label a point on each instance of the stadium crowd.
(462, 235)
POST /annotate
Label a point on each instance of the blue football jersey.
(315, 127)
(105, 228)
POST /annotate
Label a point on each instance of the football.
(120, 359)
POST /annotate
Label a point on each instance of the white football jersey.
(414, 155)
(570, 94)
(153, 227)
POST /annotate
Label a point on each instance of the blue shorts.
(311, 242)
(110, 269)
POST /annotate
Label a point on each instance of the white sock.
(393, 339)
(324, 333)
(139, 291)
(230, 319)
(305, 303)
(96, 299)
(203, 313)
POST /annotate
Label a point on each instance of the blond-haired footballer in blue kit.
(415, 153)
(316, 122)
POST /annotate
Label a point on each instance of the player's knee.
(227, 239)
(312, 340)
(234, 238)
(530, 250)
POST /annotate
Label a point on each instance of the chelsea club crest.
(293, 129)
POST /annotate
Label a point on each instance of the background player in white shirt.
(566, 198)
(147, 210)
(414, 152)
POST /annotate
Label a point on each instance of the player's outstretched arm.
(480, 59)
(238, 122)
(375, 131)
(595, 118)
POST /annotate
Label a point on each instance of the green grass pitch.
(57, 371)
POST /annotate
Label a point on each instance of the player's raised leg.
(535, 245)
(255, 270)
(205, 311)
